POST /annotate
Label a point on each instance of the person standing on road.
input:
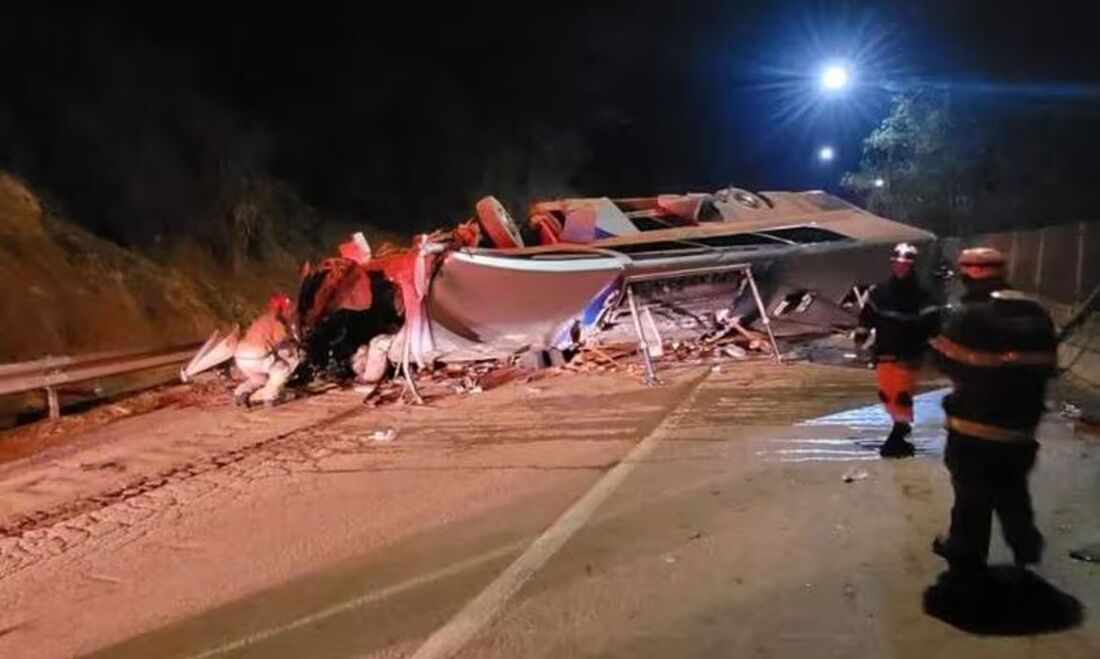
(267, 354)
(999, 348)
(903, 315)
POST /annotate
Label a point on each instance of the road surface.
(739, 511)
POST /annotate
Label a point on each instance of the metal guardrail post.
(51, 374)
(53, 403)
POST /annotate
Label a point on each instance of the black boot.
(939, 548)
(957, 566)
(895, 445)
(1030, 554)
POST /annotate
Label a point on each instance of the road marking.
(362, 600)
(447, 641)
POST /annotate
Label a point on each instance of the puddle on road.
(856, 434)
(927, 409)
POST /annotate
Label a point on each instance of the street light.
(880, 183)
(826, 154)
(834, 77)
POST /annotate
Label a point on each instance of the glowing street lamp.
(880, 183)
(834, 78)
(826, 154)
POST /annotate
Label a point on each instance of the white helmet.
(904, 252)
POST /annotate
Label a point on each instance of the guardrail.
(50, 373)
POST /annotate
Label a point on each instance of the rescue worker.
(903, 315)
(267, 354)
(998, 346)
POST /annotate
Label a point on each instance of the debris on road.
(849, 592)
(383, 435)
(1071, 411)
(498, 377)
(535, 360)
(1084, 414)
(854, 474)
(1089, 553)
(737, 352)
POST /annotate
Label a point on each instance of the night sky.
(403, 115)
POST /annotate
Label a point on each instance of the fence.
(1059, 263)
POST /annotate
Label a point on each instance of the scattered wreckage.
(655, 271)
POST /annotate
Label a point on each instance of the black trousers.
(987, 476)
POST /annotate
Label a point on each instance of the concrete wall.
(1060, 263)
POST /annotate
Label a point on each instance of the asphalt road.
(737, 513)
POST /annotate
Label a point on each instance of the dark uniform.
(998, 346)
(904, 315)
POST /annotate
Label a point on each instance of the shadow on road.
(1002, 601)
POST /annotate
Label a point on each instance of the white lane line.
(362, 600)
(448, 640)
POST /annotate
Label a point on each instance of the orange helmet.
(280, 303)
(982, 262)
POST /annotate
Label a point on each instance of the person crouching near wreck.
(999, 348)
(268, 354)
(903, 315)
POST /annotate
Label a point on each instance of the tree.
(959, 165)
(919, 164)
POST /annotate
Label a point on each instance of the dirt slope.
(67, 291)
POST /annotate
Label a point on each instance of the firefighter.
(267, 354)
(903, 315)
(998, 347)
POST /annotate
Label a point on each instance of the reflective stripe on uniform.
(961, 353)
(986, 431)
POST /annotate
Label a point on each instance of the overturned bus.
(785, 264)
